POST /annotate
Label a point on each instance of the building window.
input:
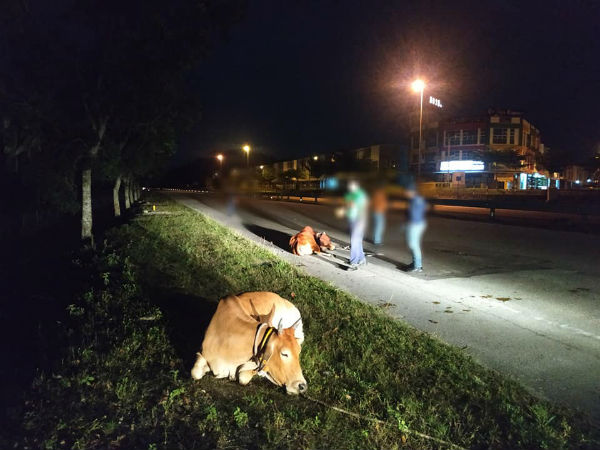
(469, 137)
(452, 137)
(511, 136)
(454, 154)
(483, 137)
(500, 135)
(415, 141)
(430, 139)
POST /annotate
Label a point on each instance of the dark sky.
(300, 77)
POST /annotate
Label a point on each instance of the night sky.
(295, 78)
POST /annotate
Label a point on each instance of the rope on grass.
(372, 419)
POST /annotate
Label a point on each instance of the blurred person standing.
(415, 227)
(379, 204)
(356, 212)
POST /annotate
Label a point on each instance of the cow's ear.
(319, 234)
(269, 317)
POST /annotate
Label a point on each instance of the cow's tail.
(200, 368)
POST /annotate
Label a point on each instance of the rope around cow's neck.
(372, 419)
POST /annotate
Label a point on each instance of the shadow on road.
(188, 317)
(278, 238)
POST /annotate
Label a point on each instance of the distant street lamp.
(220, 158)
(419, 86)
(246, 148)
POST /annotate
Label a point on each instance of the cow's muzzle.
(297, 387)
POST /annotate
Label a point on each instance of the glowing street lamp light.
(246, 148)
(220, 159)
(419, 86)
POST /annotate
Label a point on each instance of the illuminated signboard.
(436, 102)
(459, 166)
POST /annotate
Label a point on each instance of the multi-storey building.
(497, 150)
(372, 158)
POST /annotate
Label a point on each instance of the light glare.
(418, 85)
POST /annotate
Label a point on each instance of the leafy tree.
(109, 92)
(509, 158)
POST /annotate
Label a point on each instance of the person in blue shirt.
(415, 227)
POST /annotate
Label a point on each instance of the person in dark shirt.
(415, 227)
(379, 205)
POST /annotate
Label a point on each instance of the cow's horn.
(280, 326)
(296, 323)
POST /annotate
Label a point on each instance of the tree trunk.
(86, 206)
(134, 192)
(126, 193)
(116, 203)
(130, 192)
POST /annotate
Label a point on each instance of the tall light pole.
(419, 86)
(246, 148)
(220, 159)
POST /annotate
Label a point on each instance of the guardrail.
(493, 203)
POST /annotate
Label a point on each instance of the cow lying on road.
(238, 346)
(307, 242)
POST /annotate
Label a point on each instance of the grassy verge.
(124, 378)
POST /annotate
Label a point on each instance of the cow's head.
(283, 361)
(324, 241)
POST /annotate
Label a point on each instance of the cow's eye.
(285, 355)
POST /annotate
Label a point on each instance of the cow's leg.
(200, 368)
(246, 372)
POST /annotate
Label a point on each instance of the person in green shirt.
(356, 212)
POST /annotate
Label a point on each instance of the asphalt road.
(524, 301)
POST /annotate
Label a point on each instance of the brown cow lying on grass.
(307, 242)
(240, 343)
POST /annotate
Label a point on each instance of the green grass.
(124, 380)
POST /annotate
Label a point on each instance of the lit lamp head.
(418, 85)
(246, 148)
(220, 157)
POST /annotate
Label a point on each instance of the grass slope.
(124, 380)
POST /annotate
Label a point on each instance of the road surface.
(521, 300)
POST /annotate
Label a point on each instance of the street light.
(419, 86)
(220, 158)
(246, 148)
